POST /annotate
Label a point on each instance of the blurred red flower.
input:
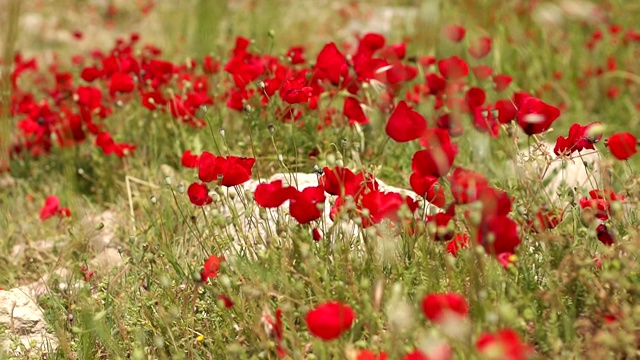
(622, 145)
(52, 207)
(405, 124)
(504, 344)
(230, 171)
(454, 33)
(436, 307)
(329, 320)
(453, 68)
(121, 82)
(437, 157)
(211, 267)
(273, 194)
(199, 194)
(303, 205)
(577, 140)
(480, 47)
(535, 116)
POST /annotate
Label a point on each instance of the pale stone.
(251, 233)
(23, 323)
(539, 164)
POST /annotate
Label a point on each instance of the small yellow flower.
(200, 338)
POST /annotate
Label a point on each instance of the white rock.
(24, 324)
(540, 164)
(251, 232)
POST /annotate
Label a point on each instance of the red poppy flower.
(341, 181)
(405, 124)
(441, 351)
(545, 220)
(244, 66)
(52, 207)
(475, 97)
(486, 121)
(499, 234)
(189, 159)
(502, 82)
(89, 74)
(480, 47)
(599, 201)
(370, 355)
(451, 123)
(438, 156)
(316, 234)
(331, 64)
(370, 43)
(494, 202)
(233, 170)
(504, 344)
(460, 241)
(211, 267)
(353, 111)
(465, 185)
(622, 145)
(435, 83)
(578, 140)
(273, 194)
(199, 194)
(442, 224)
(398, 73)
(367, 68)
(604, 235)
(89, 97)
(437, 307)
(598, 261)
(121, 82)
(415, 355)
(482, 72)
(507, 111)
(228, 303)
(294, 92)
(210, 65)
(152, 99)
(453, 68)
(303, 205)
(394, 52)
(384, 206)
(329, 320)
(295, 54)
(109, 146)
(454, 33)
(275, 329)
(87, 273)
(535, 116)
(428, 188)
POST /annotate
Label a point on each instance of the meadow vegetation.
(512, 124)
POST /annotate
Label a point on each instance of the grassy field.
(136, 126)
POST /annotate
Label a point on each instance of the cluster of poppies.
(332, 319)
(454, 98)
(293, 88)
